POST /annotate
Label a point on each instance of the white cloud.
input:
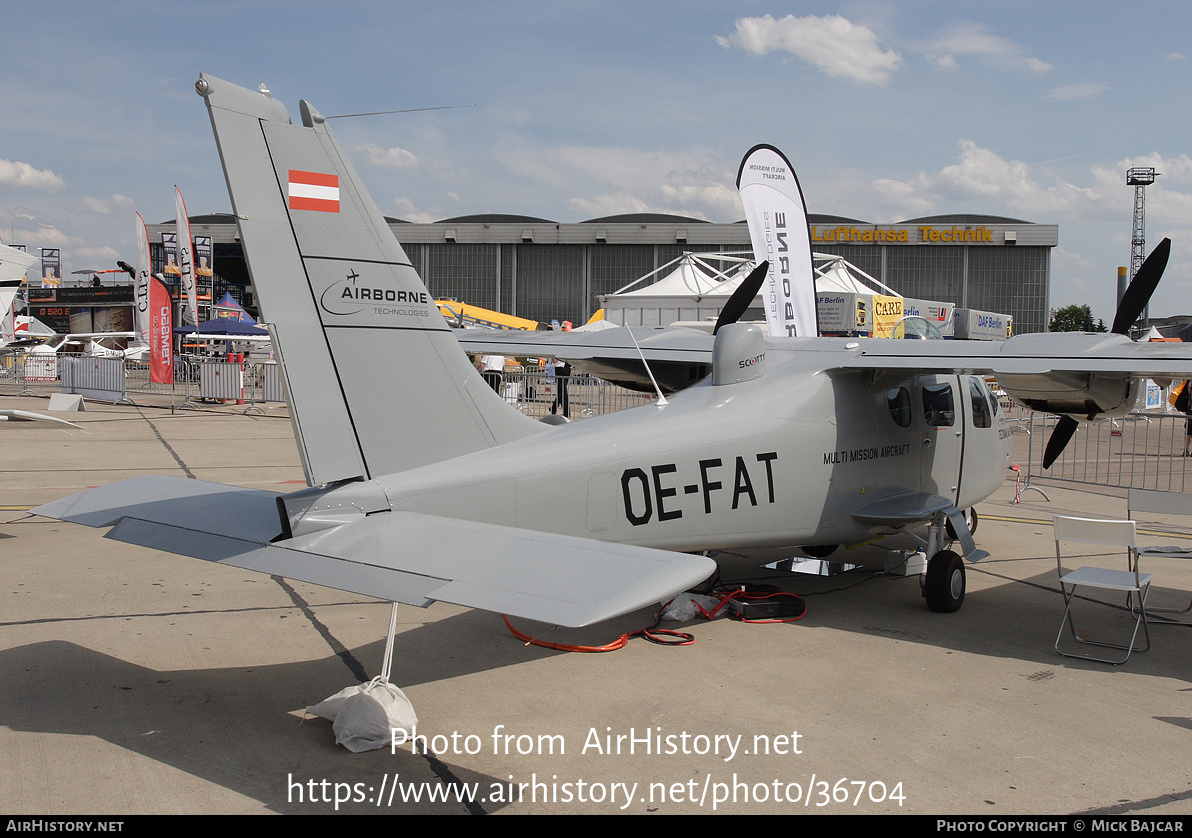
(389, 158)
(1074, 92)
(404, 209)
(104, 206)
(901, 200)
(613, 203)
(835, 45)
(620, 180)
(47, 236)
(983, 173)
(97, 257)
(15, 173)
(972, 40)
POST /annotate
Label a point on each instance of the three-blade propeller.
(1131, 306)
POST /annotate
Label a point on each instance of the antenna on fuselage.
(646, 364)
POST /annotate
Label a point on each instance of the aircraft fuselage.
(780, 460)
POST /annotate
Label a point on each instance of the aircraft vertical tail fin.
(377, 381)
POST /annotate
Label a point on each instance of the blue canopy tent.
(224, 327)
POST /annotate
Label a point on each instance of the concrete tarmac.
(133, 681)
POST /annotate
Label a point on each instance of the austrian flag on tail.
(313, 191)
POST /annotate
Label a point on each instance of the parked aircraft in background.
(425, 486)
(30, 416)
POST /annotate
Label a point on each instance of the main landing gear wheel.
(970, 516)
(945, 583)
(819, 551)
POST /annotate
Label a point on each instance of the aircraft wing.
(398, 556)
(1033, 354)
(657, 343)
(677, 356)
(1068, 373)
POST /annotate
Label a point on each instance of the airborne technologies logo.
(355, 294)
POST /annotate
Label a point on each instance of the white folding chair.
(1152, 502)
(1113, 533)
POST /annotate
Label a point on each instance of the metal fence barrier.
(102, 379)
(537, 391)
(1140, 451)
(221, 380)
(113, 379)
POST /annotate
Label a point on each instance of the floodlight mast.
(1140, 179)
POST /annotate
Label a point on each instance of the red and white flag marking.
(314, 191)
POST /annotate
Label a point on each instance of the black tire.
(945, 583)
(820, 551)
(972, 524)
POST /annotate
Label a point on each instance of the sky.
(887, 111)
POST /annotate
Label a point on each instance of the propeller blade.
(1141, 288)
(744, 296)
(1064, 429)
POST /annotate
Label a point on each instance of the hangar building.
(545, 270)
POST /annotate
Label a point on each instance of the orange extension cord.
(666, 637)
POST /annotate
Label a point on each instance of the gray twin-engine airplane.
(425, 485)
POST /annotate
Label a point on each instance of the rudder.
(377, 381)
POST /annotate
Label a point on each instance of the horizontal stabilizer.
(399, 556)
(245, 514)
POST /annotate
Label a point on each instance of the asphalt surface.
(133, 681)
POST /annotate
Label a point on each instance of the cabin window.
(899, 401)
(992, 397)
(938, 405)
(982, 418)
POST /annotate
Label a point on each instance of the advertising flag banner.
(161, 332)
(141, 282)
(186, 260)
(169, 246)
(51, 266)
(203, 256)
(777, 217)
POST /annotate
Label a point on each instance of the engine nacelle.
(1078, 395)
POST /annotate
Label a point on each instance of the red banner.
(161, 333)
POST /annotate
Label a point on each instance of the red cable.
(664, 637)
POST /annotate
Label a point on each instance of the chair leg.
(1139, 620)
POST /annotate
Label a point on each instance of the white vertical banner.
(186, 256)
(141, 282)
(777, 217)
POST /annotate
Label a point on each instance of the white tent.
(698, 284)
(693, 287)
(834, 275)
